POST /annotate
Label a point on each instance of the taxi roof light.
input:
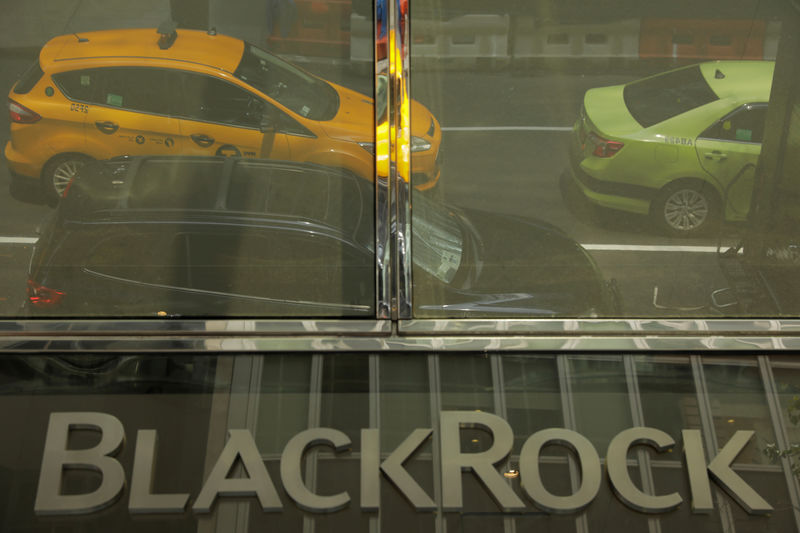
(168, 32)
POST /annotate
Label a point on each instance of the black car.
(210, 237)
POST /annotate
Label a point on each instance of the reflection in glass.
(738, 403)
(600, 399)
(284, 400)
(639, 137)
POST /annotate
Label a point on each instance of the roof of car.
(147, 188)
(191, 46)
(751, 80)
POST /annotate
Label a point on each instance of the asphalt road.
(505, 134)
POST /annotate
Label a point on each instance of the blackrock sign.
(258, 483)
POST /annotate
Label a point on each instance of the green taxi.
(680, 146)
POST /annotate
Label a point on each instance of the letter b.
(57, 457)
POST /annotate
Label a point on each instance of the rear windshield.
(29, 78)
(659, 98)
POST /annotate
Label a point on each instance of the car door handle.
(202, 139)
(716, 155)
(106, 126)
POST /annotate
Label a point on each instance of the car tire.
(58, 173)
(686, 209)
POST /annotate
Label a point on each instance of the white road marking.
(651, 248)
(507, 128)
(18, 240)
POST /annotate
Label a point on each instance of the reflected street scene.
(557, 159)
(650, 133)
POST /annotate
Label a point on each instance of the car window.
(293, 88)
(214, 100)
(334, 199)
(653, 100)
(29, 79)
(135, 89)
(283, 264)
(79, 85)
(744, 125)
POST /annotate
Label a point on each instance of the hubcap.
(686, 210)
(64, 174)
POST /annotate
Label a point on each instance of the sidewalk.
(31, 23)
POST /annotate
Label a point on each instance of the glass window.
(744, 125)
(214, 100)
(133, 89)
(599, 165)
(664, 96)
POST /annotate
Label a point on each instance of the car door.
(133, 115)
(221, 118)
(729, 151)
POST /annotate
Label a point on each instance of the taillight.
(42, 296)
(21, 114)
(603, 147)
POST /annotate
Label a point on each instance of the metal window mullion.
(435, 391)
(781, 434)
(498, 387)
(375, 421)
(314, 420)
(637, 417)
(570, 422)
(392, 190)
(709, 434)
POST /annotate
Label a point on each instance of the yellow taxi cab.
(99, 95)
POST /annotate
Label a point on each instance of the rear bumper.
(608, 193)
(18, 165)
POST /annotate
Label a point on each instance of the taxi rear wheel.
(686, 209)
(59, 173)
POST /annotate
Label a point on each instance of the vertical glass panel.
(787, 381)
(669, 399)
(738, 402)
(188, 130)
(405, 400)
(669, 403)
(466, 382)
(284, 399)
(600, 399)
(345, 394)
(532, 396)
(591, 157)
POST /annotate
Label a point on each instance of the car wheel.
(686, 209)
(59, 173)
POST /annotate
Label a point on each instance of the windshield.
(438, 239)
(659, 98)
(293, 88)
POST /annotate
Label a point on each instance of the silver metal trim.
(119, 342)
(603, 327)
(400, 133)
(228, 327)
(383, 189)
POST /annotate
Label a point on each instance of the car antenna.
(719, 75)
(81, 39)
(167, 30)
